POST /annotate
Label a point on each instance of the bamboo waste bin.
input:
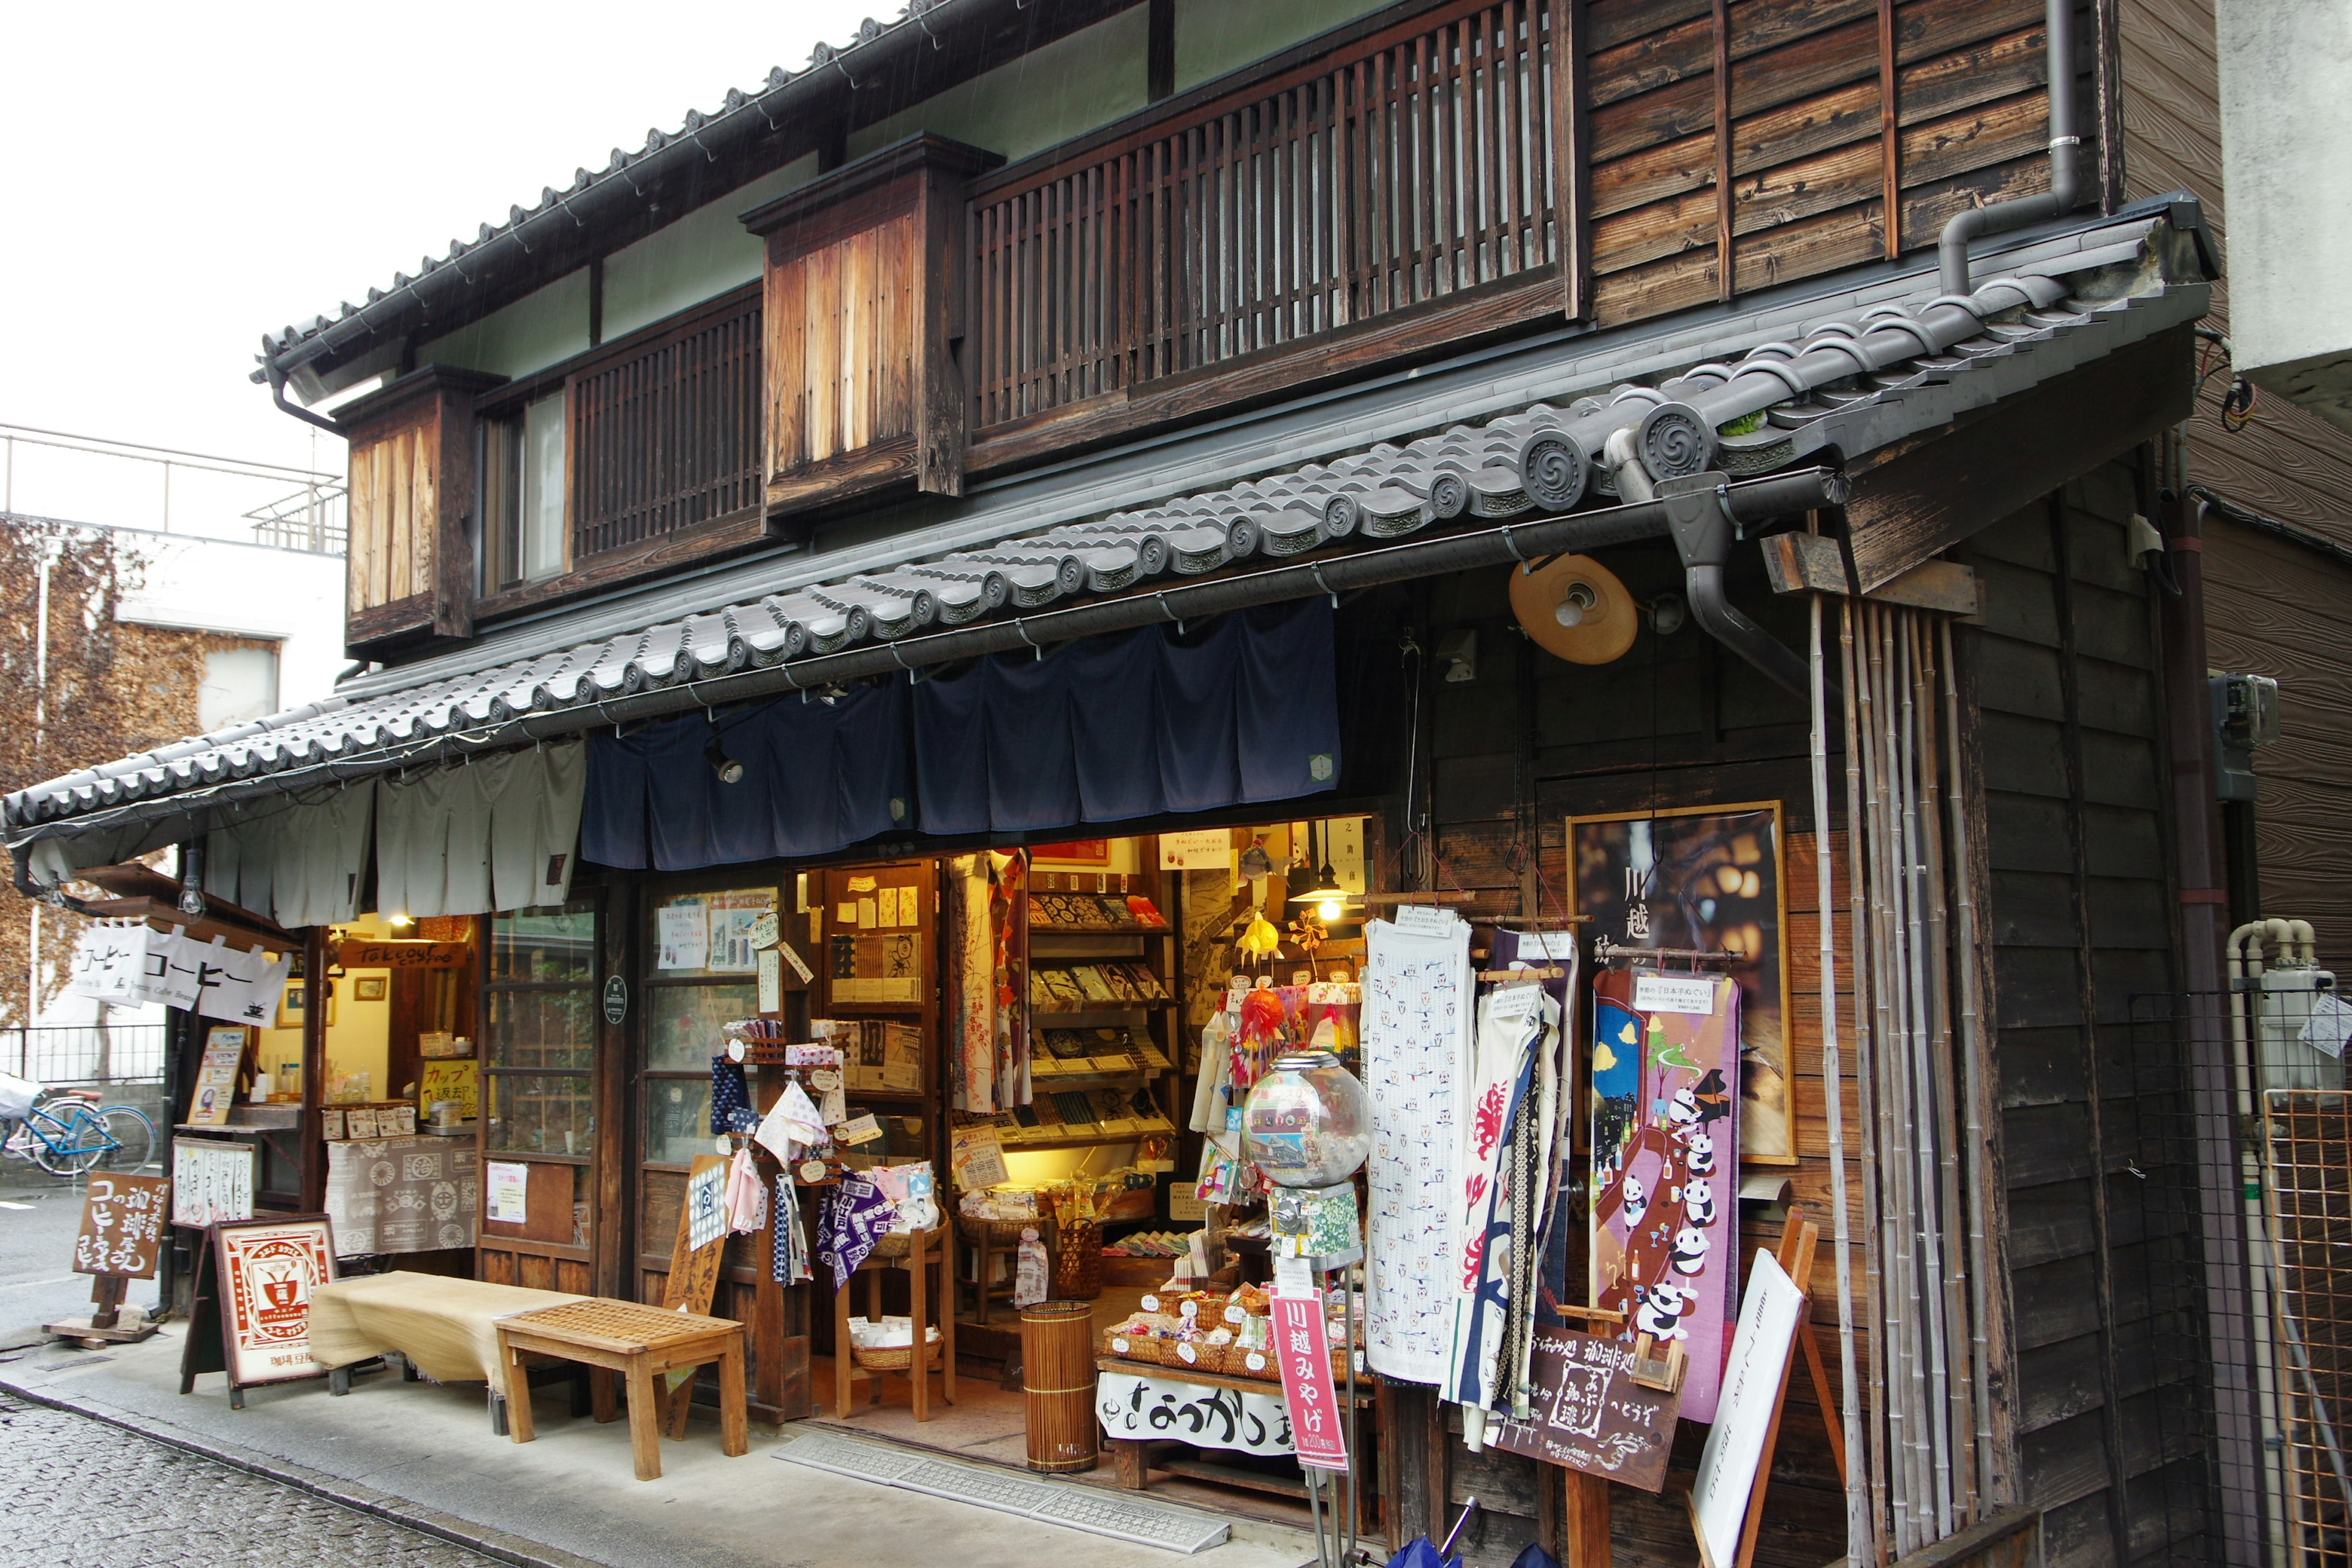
(1058, 1374)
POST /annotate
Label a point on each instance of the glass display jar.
(1309, 1122)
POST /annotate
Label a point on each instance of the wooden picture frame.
(370, 988)
(293, 1004)
(1705, 840)
(1074, 852)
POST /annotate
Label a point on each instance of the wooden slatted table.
(641, 1343)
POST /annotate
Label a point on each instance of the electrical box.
(2245, 717)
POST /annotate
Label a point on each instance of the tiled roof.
(752, 113)
(1853, 383)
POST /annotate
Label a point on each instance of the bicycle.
(66, 1135)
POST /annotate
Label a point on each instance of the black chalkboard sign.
(1588, 1414)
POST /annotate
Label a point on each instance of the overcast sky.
(181, 178)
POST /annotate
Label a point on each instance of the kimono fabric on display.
(972, 1017)
(1666, 1166)
(1416, 1039)
(1497, 1181)
(853, 1221)
(731, 1098)
(792, 1256)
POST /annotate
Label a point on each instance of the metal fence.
(61, 1055)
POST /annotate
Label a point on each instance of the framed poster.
(212, 1180)
(216, 1074)
(1711, 878)
(293, 1005)
(265, 1270)
(370, 988)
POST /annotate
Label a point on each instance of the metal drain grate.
(1072, 1504)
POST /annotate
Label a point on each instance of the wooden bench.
(640, 1343)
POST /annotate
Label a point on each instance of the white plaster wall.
(2286, 123)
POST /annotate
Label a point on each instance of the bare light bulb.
(1328, 910)
(1575, 604)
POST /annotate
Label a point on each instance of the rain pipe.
(2065, 143)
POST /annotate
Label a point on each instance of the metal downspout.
(1952, 247)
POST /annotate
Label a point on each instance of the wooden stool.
(641, 1343)
(918, 1254)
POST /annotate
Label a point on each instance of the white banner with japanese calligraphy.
(1141, 1409)
(238, 987)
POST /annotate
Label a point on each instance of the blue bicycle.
(67, 1135)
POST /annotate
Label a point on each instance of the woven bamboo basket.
(896, 1358)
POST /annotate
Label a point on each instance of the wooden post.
(1587, 1533)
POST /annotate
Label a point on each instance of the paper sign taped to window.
(506, 1189)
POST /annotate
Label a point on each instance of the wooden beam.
(1811, 564)
(1931, 494)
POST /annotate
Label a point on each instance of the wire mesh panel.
(2239, 1187)
(2309, 1146)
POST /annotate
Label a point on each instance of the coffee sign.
(122, 1226)
(1590, 1414)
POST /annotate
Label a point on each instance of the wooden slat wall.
(2072, 767)
(394, 508)
(1679, 723)
(841, 329)
(2272, 609)
(1810, 154)
(1401, 171)
(669, 439)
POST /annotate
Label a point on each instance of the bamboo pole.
(1972, 1065)
(1857, 1506)
(1957, 1272)
(1875, 1237)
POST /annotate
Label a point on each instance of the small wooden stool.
(918, 1254)
(641, 1343)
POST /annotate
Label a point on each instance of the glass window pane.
(545, 946)
(539, 1114)
(542, 487)
(710, 933)
(677, 1120)
(540, 1029)
(682, 1029)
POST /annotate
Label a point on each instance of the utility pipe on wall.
(2065, 143)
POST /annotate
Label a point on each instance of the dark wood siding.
(2063, 672)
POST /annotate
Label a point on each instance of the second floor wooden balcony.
(1419, 181)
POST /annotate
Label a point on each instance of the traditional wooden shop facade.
(967, 464)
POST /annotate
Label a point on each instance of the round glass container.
(1309, 1122)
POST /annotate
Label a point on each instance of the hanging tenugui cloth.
(853, 1221)
(988, 1039)
(1665, 1164)
(1497, 1176)
(791, 1258)
(1417, 1018)
(1536, 1207)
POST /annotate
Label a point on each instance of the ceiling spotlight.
(728, 769)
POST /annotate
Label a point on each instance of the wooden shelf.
(1074, 1140)
(1091, 1080)
(1041, 929)
(1080, 1017)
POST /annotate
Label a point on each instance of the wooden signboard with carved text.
(370, 953)
(694, 1270)
(1588, 1413)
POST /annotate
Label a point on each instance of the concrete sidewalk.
(424, 1456)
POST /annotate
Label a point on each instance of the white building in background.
(250, 552)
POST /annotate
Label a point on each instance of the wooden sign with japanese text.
(122, 1226)
(356, 954)
(1588, 1414)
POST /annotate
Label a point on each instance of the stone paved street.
(78, 1493)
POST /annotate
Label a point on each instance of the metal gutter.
(2058, 57)
(1747, 504)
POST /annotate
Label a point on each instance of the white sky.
(181, 178)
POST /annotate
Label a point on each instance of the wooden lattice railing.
(668, 438)
(1411, 165)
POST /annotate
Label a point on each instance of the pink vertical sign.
(1305, 1343)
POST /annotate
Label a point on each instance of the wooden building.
(1016, 338)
